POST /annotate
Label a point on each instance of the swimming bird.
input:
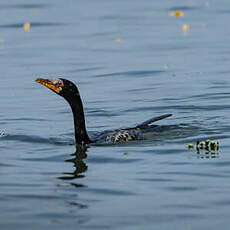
(69, 91)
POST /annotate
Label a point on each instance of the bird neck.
(81, 134)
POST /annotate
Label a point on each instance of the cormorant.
(69, 91)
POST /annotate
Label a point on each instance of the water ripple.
(209, 96)
(103, 160)
(24, 6)
(182, 188)
(183, 8)
(35, 139)
(25, 119)
(105, 191)
(196, 174)
(214, 107)
(157, 180)
(220, 164)
(6, 165)
(33, 197)
(142, 73)
(33, 24)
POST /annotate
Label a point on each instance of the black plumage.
(69, 91)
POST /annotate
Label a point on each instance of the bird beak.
(49, 84)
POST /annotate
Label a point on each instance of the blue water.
(131, 61)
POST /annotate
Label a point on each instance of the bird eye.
(59, 83)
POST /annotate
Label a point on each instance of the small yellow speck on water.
(178, 13)
(26, 26)
(1, 40)
(118, 39)
(185, 28)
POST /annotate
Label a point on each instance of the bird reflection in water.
(79, 165)
(79, 168)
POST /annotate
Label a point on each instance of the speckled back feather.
(123, 136)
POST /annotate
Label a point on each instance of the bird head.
(60, 86)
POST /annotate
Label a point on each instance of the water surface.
(131, 61)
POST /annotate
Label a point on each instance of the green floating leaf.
(190, 146)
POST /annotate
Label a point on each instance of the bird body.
(69, 91)
(116, 136)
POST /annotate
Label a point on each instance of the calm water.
(131, 61)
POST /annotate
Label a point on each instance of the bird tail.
(154, 119)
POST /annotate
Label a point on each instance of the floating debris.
(118, 39)
(178, 13)
(214, 145)
(26, 27)
(190, 146)
(200, 144)
(185, 28)
(207, 145)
